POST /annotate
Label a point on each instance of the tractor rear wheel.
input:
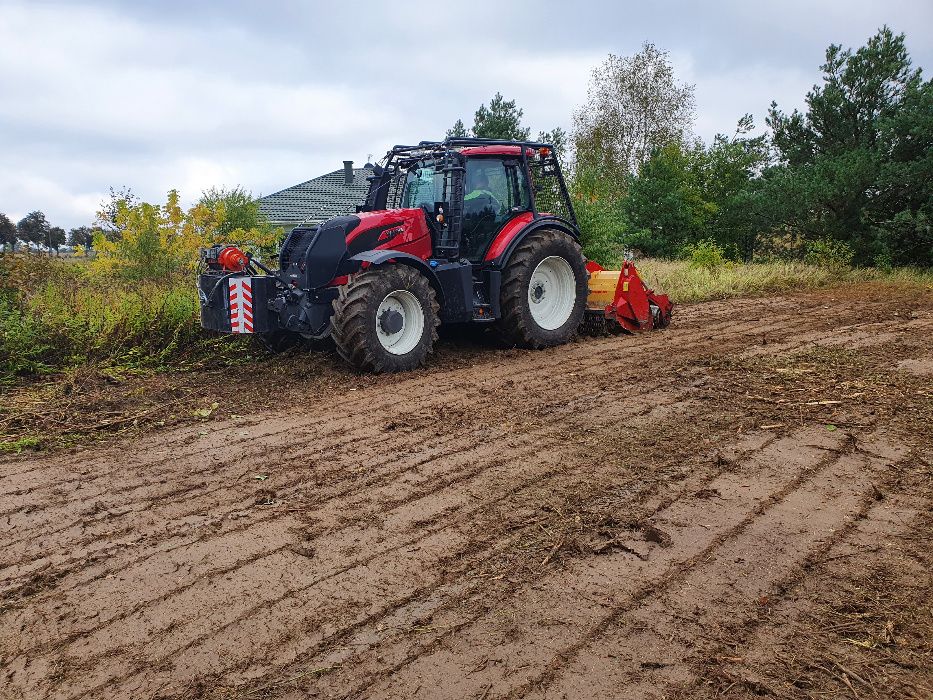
(385, 319)
(544, 290)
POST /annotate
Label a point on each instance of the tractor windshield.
(424, 185)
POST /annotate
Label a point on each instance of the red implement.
(624, 299)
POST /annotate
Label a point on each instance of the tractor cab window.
(423, 187)
(492, 196)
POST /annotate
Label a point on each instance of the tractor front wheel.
(385, 319)
(544, 290)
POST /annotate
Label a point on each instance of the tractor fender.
(382, 257)
(511, 236)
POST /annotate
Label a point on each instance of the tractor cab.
(456, 231)
(472, 189)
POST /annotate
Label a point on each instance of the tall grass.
(686, 282)
(55, 315)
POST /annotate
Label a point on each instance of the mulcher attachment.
(620, 302)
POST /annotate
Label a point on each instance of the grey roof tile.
(318, 199)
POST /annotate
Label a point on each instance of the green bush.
(705, 255)
(55, 315)
(828, 253)
(24, 342)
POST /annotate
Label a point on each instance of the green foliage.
(665, 207)
(26, 443)
(634, 107)
(458, 130)
(599, 215)
(55, 315)
(81, 237)
(7, 233)
(234, 209)
(501, 120)
(828, 253)
(149, 241)
(706, 255)
(24, 345)
(56, 238)
(857, 165)
(34, 228)
(686, 193)
(557, 137)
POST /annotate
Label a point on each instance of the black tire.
(355, 318)
(517, 326)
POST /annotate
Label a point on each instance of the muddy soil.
(738, 506)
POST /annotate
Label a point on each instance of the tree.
(34, 228)
(56, 239)
(501, 120)
(688, 193)
(82, 236)
(557, 137)
(235, 209)
(458, 130)
(856, 165)
(110, 208)
(665, 207)
(150, 241)
(7, 233)
(634, 107)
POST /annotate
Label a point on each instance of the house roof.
(318, 199)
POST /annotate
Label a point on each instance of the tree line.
(849, 178)
(34, 229)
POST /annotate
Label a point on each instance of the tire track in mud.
(289, 488)
(557, 358)
(573, 593)
(650, 657)
(449, 594)
(186, 488)
(170, 644)
(419, 537)
(109, 515)
(460, 475)
(285, 616)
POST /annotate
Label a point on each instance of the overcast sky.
(156, 95)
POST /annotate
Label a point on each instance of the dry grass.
(686, 283)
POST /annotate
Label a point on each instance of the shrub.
(58, 314)
(705, 255)
(828, 253)
(149, 241)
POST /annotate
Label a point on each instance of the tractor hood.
(312, 257)
(388, 229)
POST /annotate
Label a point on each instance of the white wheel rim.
(405, 338)
(552, 292)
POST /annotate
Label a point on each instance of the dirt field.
(739, 506)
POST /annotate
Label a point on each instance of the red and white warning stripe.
(241, 304)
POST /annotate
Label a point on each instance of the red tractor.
(458, 231)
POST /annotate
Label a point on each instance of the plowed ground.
(738, 506)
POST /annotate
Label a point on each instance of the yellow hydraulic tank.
(603, 285)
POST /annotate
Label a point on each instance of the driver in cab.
(479, 197)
